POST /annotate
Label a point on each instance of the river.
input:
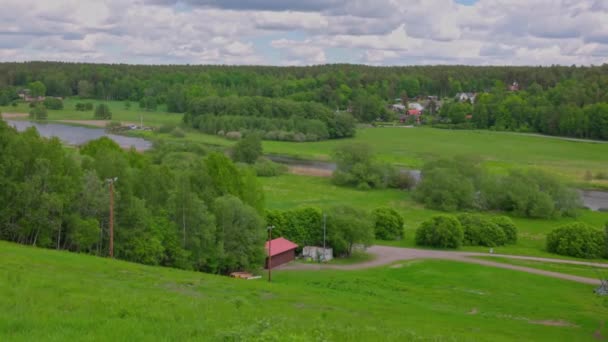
(76, 135)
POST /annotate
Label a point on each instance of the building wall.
(282, 258)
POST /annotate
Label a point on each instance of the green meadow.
(118, 109)
(61, 296)
(290, 191)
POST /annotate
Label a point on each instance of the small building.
(281, 251)
(318, 253)
(514, 86)
(415, 105)
(398, 107)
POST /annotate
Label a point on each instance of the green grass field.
(290, 191)
(119, 112)
(499, 151)
(60, 296)
(578, 270)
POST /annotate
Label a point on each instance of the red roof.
(414, 112)
(280, 245)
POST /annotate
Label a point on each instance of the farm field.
(67, 296)
(290, 191)
(119, 112)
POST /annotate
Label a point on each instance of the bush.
(53, 103)
(401, 179)
(530, 193)
(265, 167)
(166, 128)
(445, 189)
(102, 112)
(233, 135)
(440, 231)
(577, 240)
(507, 226)
(38, 112)
(479, 231)
(248, 149)
(178, 133)
(82, 107)
(388, 224)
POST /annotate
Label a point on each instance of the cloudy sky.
(303, 32)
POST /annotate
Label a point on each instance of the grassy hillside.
(48, 295)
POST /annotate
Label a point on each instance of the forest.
(180, 206)
(556, 100)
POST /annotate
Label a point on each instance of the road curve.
(386, 255)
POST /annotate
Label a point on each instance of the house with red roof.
(279, 251)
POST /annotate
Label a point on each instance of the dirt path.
(385, 255)
(14, 115)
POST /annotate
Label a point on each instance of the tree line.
(179, 205)
(573, 108)
(558, 100)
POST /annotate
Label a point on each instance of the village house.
(514, 86)
(464, 97)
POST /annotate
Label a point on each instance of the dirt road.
(386, 255)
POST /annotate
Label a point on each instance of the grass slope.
(578, 270)
(49, 295)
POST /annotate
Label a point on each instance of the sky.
(306, 32)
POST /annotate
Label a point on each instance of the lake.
(76, 135)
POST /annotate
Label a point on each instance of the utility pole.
(324, 233)
(270, 228)
(111, 183)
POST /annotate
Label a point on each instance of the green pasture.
(118, 109)
(61, 296)
(290, 191)
(577, 270)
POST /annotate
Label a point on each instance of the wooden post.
(111, 218)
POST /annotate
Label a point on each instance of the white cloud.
(285, 32)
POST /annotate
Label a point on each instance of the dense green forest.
(556, 100)
(178, 206)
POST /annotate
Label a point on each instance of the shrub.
(440, 231)
(479, 231)
(507, 226)
(38, 112)
(388, 224)
(178, 133)
(577, 240)
(102, 112)
(166, 128)
(53, 103)
(444, 189)
(401, 179)
(82, 107)
(265, 167)
(248, 149)
(233, 135)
